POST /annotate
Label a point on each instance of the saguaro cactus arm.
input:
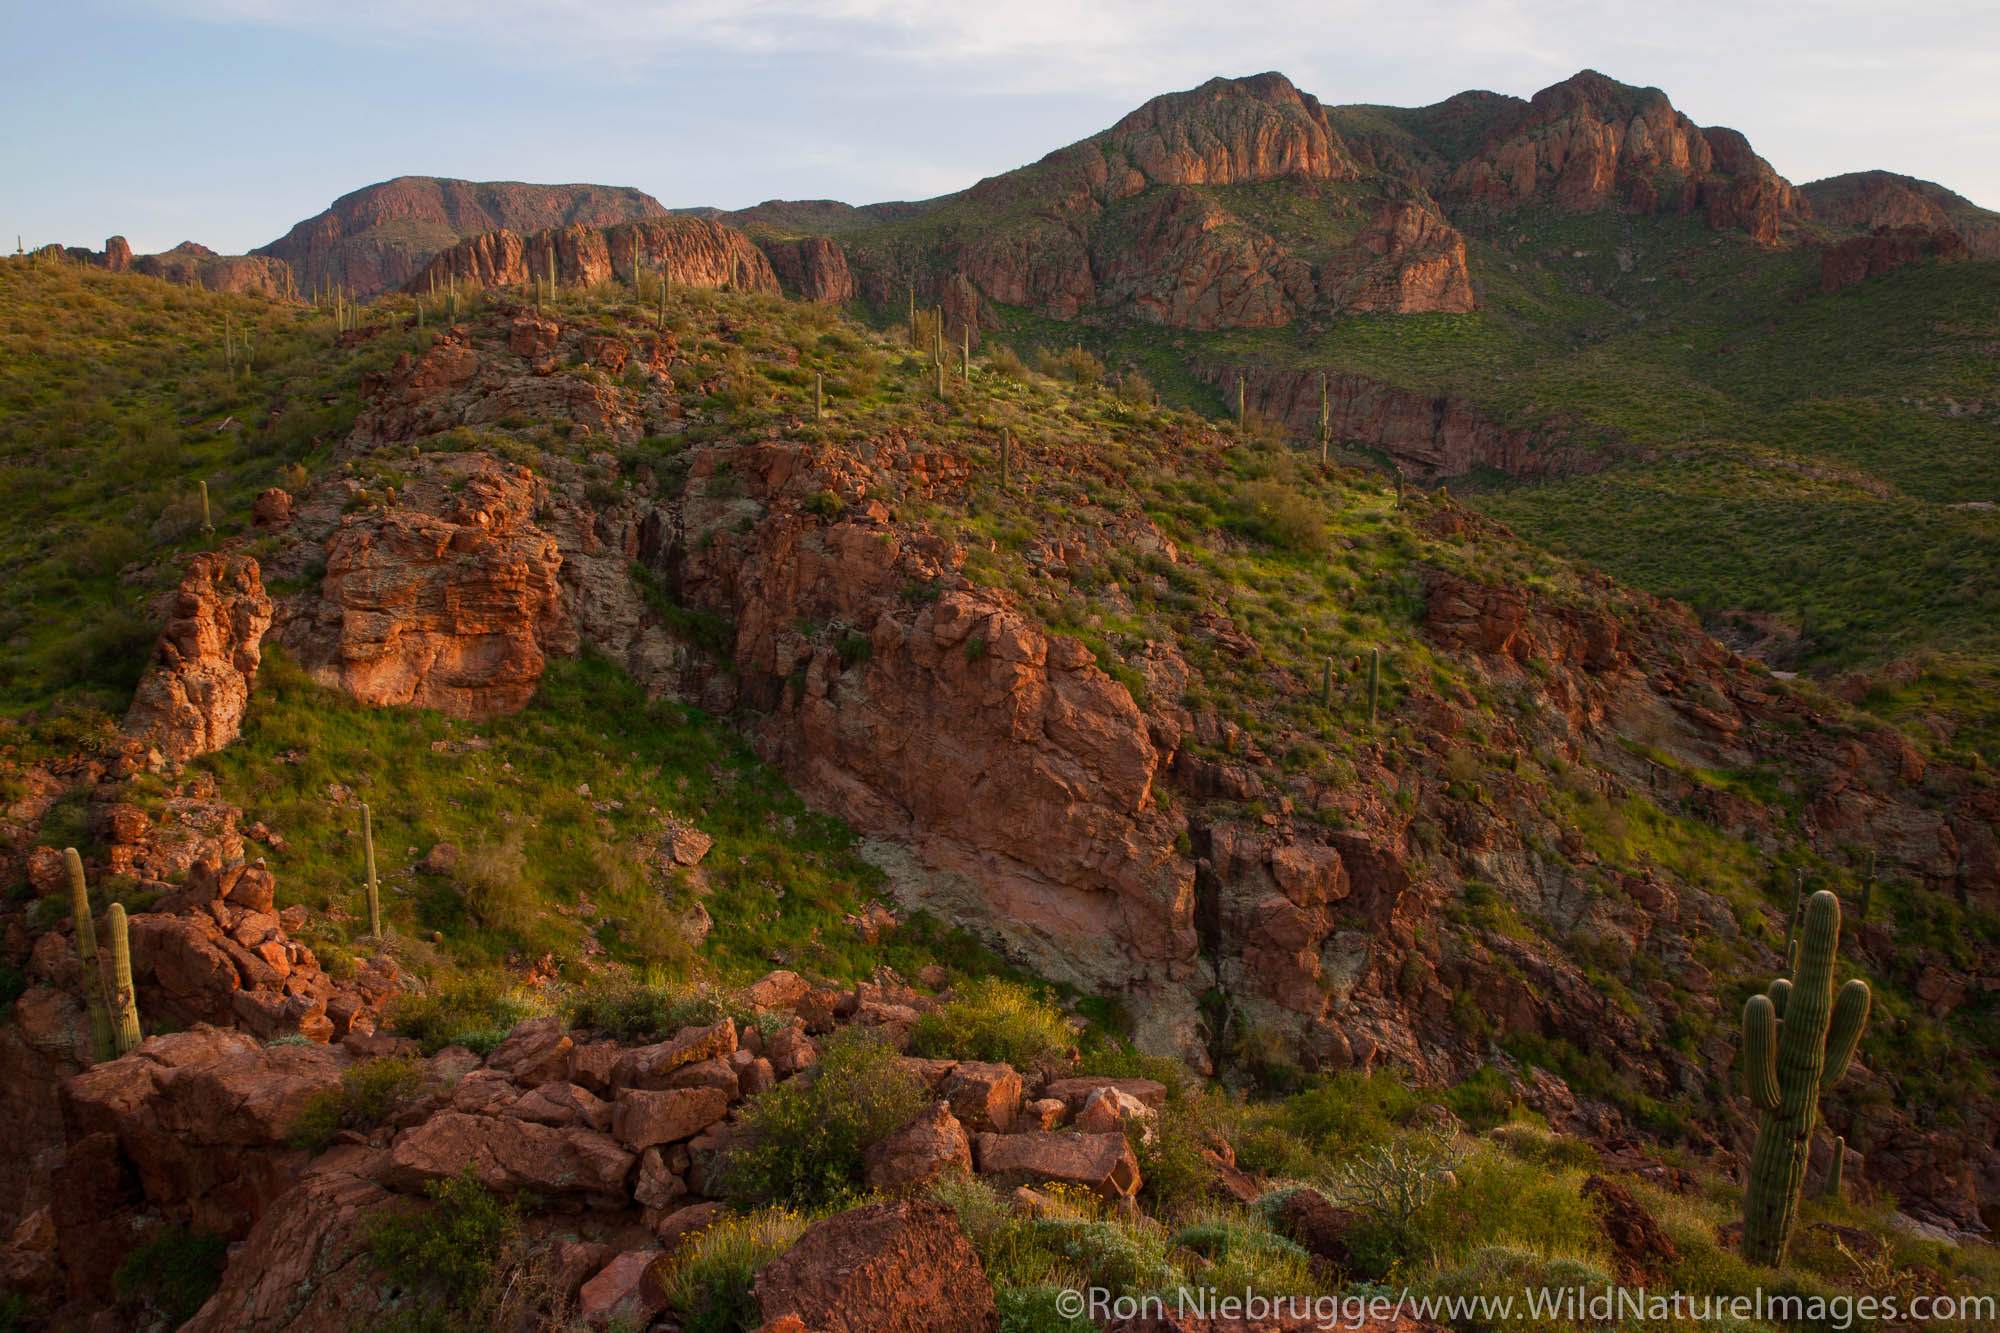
(1760, 1052)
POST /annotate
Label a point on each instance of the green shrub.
(1274, 513)
(1036, 1309)
(1124, 1259)
(493, 877)
(1350, 1111)
(992, 1019)
(475, 1011)
(1246, 1255)
(711, 1278)
(449, 1251)
(1172, 1163)
(175, 1271)
(367, 1093)
(13, 981)
(807, 1135)
(642, 1011)
(19, 1314)
(1500, 1273)
(825, 504)
(1500, 1201)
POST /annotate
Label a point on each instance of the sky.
(226, 121)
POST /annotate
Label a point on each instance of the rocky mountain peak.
(1233, 132)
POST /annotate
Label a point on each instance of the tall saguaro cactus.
(95, 998)
(124, 1000)
(368, 859)
(1797, 1041)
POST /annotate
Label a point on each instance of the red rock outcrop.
(1887, 250)
(1590, 142)
(1407, 260)
(1233, 132)
(1190, 264)
(1871, 200)
(117, 254)
(1431, 436)
(454, 606)
(815, 267)
(196, 687)
(884, 1268)
(692, 251)
(377, 238)
(192, 265)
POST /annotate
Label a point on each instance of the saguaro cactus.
(1831, 1189)
(86, 952)
(368, 860)
(819, 396)
(1797, 1041)
(1325, 419)
(124, 1000)
(1374, 683)
(1006, 457)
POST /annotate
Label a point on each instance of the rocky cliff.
(378, 238)
(689, 250)
(191, 265)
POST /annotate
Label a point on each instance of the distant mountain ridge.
(377, 238)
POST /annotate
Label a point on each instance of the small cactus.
(819, 396)
(1006, 457)
(368, 860)
(1374, 684)
(1831, 1189)
(207, 523)
(124, 1000)
(86, 952)
(1797, 1041)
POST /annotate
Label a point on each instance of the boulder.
(510, 1154)
(641, 1118)
(984, 1096)
(620, 1293)
(1099, 1162)
(535, 1052)
(305, 1267)
(1112, 1110)
(931, 1145)
(1074, 1092)
(650, 1066)
(900, 1267)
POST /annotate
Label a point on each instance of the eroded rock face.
(305, 1266)
(376, 238)
(195, 690)
(815, 267)
(192, 265)
(1886, 250)
(1432, 437)
(454, 606)
(1590, 142)
(885, 1268)
(1872, 200)
(1233, 132)
(692, 251)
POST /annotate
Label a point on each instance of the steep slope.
(377, 238)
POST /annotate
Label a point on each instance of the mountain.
(377, 238)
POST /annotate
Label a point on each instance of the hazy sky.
(226, 121)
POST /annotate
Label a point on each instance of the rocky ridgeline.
(690, 251)
(622, 1146)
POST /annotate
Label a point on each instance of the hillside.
(718, 632)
